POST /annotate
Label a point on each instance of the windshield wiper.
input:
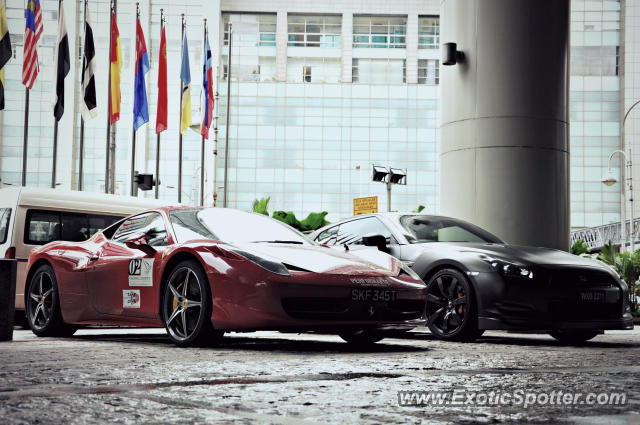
(279, 241)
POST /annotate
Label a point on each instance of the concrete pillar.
(282, 37)
(347, 47)
(505, 141)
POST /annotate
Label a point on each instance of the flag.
(185, 76)
(32, 33)
(61, 64)
(207, 91)
(140, 105)
(115, 69)
(161, 114)
(5, 48)
(89, 104)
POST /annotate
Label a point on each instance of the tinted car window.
(151, 224)
(5, 215)
(42, 226)
(421, 229)
(352, 232)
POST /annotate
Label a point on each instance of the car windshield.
(230, 225)
(422, 229)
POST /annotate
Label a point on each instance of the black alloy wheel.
(186, 306)
(43, 305)
(451, 307)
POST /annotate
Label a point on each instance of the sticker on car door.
(131, 298)
(141, 272)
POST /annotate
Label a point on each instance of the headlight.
(508, 268)
(270, 266)
(413, 275)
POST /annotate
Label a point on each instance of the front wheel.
(451, 307)
(362, 337)
(186, 306)
(573, 337)
(43, 305)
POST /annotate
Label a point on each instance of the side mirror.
(376, 240)
(139, 241)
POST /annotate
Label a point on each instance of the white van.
(34, 216)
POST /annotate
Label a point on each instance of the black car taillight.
(10, 253)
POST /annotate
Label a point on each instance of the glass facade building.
(319, 94)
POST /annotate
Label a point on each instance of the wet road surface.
(138, 376)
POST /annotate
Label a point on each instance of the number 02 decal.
(141, 272)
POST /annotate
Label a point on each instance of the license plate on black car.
(592, 296)
(364, 294)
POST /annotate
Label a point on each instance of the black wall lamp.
(451, 56)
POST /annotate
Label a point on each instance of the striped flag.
(32, 33)
(161, 114)
(89, 104)
(61, 64)
(140, 105)
(207, 91)
(5, 48)
(115, 70)
(185, 76)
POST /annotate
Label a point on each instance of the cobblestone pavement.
(138, 376)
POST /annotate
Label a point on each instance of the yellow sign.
(366, 205)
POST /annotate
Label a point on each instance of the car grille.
(581, 277)
(563, 310)
(345, 309)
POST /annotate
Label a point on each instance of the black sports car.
(477, 282)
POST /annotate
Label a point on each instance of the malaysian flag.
(32, 33)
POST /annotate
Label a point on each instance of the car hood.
(524, 254)
(320, 259)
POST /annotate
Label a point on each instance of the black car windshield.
(422, 229)
(232, 226)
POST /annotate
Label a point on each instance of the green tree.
(261, 206)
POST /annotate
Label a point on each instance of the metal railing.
(597, 237)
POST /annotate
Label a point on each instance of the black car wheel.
(186, 310)
(451, 307)
(361, 337)
(573, 336)
(43, 305)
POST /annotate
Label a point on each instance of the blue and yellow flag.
(185, 76)
(140, 105)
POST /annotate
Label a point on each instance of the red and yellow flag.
(116, 68)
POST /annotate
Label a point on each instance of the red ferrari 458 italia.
(202, 271)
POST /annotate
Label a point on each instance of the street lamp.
(389, 176)
(609, 180)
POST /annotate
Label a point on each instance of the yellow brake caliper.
(175, 300)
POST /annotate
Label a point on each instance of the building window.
(380, 32)
(306, 74)
(378, 71)
(428, 32)
(314, 31)
(355, 74)
(594, 60)
(258, 28)
(429, 72)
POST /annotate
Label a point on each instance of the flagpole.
(158, 136)
(26, 136)
(134, 191)
(81, 162)
(226, 135)
(215, 147)
(55, 124)
(107, 188)
(202, 144)
(179, 129)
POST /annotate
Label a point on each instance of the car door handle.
(94, 258)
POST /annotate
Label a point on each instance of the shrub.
(580, 248)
